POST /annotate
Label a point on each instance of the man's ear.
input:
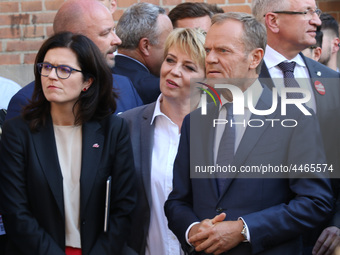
(317, 53)
(113, 5)
(272, 22)
(335, 45)
(144, 46)
(256, 56)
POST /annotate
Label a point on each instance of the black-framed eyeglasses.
(308, 12)
(62, 71)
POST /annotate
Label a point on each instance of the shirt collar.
(120, 54)
(273, 58)
(157, 111)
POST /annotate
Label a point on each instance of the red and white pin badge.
(96, 145)
(320, 88)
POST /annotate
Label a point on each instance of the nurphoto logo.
(239, 100)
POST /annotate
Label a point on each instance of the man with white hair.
(291, 27)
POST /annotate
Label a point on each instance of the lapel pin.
(96, 145)
(318, 73)
(320, 88)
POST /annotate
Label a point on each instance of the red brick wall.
(23, 27)
(331, 6)
(24, 24)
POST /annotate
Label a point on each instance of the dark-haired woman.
(56, 158)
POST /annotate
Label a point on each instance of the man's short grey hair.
(260, 8)
(254, 32)
(137, 22)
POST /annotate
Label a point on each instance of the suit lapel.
(265, 77)
(208, 138)
(46, 151)
(92, 147)
(314, 74)
(252, 135)
(312, 68)
(147, 132)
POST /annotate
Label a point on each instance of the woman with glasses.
(66, 174)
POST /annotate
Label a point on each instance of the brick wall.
(25, 24)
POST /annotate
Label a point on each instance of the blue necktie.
(225, 155)
(289, 79)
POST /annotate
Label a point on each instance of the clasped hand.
(327, 242)
(215, 236)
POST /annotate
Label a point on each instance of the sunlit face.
(326, 46)
(226, 55)
(155, 60)
(177, 70)
(298, 31)
(63, 91)
(199, 22)
(100, 29)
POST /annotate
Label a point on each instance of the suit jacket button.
(219, 210)
(83, 222)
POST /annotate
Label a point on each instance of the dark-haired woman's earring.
(84, 89)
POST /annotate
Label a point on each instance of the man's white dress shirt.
(272, 58)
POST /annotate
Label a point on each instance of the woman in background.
(56, 159)
(155, 132)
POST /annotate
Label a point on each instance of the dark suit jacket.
(327, 105)
(141, 132)
(276, 210)
(328, 114)
(128, 96)
(146, 84)
(31, 188)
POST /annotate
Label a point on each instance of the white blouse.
(69, 148)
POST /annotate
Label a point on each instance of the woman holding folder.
(56, 158)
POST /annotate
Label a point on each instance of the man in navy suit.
(244, 213)
(143, 29)
(92, 19)
(291, 27)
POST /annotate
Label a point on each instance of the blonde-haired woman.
(155, 132)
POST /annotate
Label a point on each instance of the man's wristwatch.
(244, 232)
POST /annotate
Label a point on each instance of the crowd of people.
(133, 138)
